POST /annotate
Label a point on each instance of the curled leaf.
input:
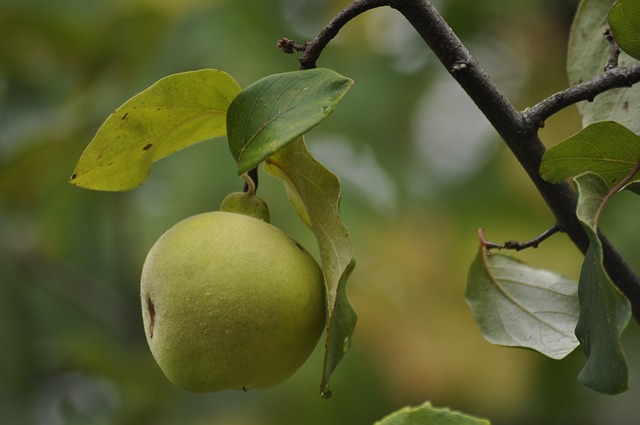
(604, 310)
(316, 192)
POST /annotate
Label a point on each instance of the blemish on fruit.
(73, 176)
(124, 117)
(152, 316)
(299, 247)
(147, 147)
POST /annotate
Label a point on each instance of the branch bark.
(519, 130)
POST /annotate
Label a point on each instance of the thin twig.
(519, 246)
(613, 78)
(614, 50)
(315, 47)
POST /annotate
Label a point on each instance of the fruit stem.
(251, 181)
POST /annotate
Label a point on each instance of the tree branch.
(314, 48)
(611, 79)
(518, 130)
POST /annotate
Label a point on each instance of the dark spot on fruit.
(124, 117)
(152, 316)
(299, 247)
(625, 105)
(73, 176)
(147, 147)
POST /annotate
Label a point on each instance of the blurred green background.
(421, 171)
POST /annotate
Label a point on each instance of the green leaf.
(426, 414)
(605, 148)
(277, 109)
(624, 20)
(604, 310)
(176, 112)
(318, 190)
(633, 187)
(588, 55)
(518, 306)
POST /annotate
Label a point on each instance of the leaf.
(605, 148)
(604, 310)
(587, 56)
(318, 190)
(176, 112)
(518, 306)
(633, 187)
(624, 20)
(277, 109)
(426, 414)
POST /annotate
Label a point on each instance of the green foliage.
(603, 157)
(518, 306)
(178, 111)
(264, 121)
(624, 19)
(315, 192)
(587, 56)
(426, 414)
(604, 311)
(277, 109)
(606, 148)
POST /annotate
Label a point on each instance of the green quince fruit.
(230, 302)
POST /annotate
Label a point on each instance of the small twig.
(314, 48)
(290, 46)
(614, 52)
(519, 246)
(613, 78)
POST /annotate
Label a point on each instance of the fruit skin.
(230, 302)
(247, 204)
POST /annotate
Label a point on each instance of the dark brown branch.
(314, 48)
(613, 78)
(518, 130)
(519, 246)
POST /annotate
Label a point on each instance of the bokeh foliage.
(421, 172)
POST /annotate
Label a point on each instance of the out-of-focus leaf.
(624, 20)
(176, 112)
(277, 109)
(317, 189)
(588, 55)
(426, 414)
(518, 306)
(604, 310)
(605, 148)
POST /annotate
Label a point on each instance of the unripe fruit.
(230, 302)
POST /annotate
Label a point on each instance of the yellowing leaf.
(174, 113)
